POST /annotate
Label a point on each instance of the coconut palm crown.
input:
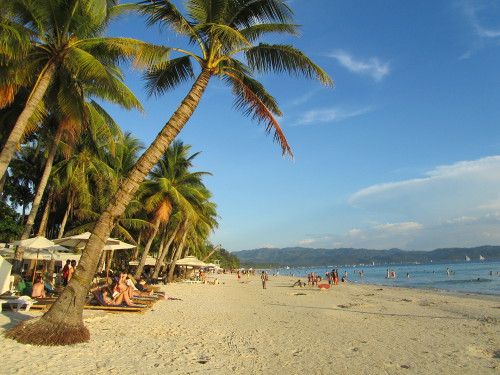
(62, 37)
(224, 30)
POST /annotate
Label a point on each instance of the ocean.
(481, 277)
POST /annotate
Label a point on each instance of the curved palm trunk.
(135, 254)
(178, 251)
(18, 130)
(140, 267)
(63, 323)
(164, 253)
(66, 214)
(18, 256)
(42, 229)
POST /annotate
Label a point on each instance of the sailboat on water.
(481, 257)
(467, 259)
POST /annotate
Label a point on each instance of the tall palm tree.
(171, 184)
(65, 35)
(75, 112)
(223, 30)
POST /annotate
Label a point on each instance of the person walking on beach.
(264, 279)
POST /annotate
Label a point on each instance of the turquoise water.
(481, 277)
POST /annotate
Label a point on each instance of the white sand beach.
(240, 328)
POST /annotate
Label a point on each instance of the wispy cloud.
(372, 67)
(305, 97)
(457, 203)
(315, 241)
(482, 16)
(315, 116)
(462, 189)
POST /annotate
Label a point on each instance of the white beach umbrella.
(190, 261)
(80, 240)
(29, 253)
(34, 243)
(118, 246)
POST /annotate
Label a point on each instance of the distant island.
(309, 257)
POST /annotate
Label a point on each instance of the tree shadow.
(15, 317)
(349, 310)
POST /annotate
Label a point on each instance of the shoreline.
(238, 326)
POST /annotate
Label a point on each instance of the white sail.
(481, 257)
(467, 259)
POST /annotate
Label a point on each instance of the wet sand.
(237, 327)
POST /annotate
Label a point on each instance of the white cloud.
(307, 241)
(468, 188)
(315, 241)
(482, 17)
(328, 115)
(398, 227)
(372, 67)
(452, 205)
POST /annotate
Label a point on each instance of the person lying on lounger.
(112, 297)
(38, 288)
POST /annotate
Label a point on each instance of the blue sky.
(403, 152)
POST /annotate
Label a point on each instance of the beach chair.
(96, 297)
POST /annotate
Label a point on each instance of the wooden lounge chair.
(102, 305)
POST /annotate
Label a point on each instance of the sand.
(237, 327)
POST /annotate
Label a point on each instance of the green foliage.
(227, 260)
(10, 230)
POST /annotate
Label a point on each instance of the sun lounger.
(102, 305)
(18, 302)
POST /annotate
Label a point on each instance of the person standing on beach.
(72, 270)
(264, 278)
(65, 272)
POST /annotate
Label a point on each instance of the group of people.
(122, 290)
(68, 270)
(42, 287)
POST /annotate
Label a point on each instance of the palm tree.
(65, 35)
(74, 113)
(223, 30)
(170, 184)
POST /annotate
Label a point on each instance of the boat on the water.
(481, 257)
(467, 259)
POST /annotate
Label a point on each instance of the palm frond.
(165, 14)
(254, 32)
(247, 13)
(168, 75)
(282, 58)
(251, 99)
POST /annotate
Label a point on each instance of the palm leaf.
(285, 59)
(168, 75)
(248, 94)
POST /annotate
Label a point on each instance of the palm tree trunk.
(18, 130)
(135, 253)
(140, 267)
(178, 252)
(38, 199)
(66, 214)
(63, 323)
(42, 229)
(2, 183)
(164, 253)
(211, 253)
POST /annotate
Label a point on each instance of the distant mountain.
(308, 257)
